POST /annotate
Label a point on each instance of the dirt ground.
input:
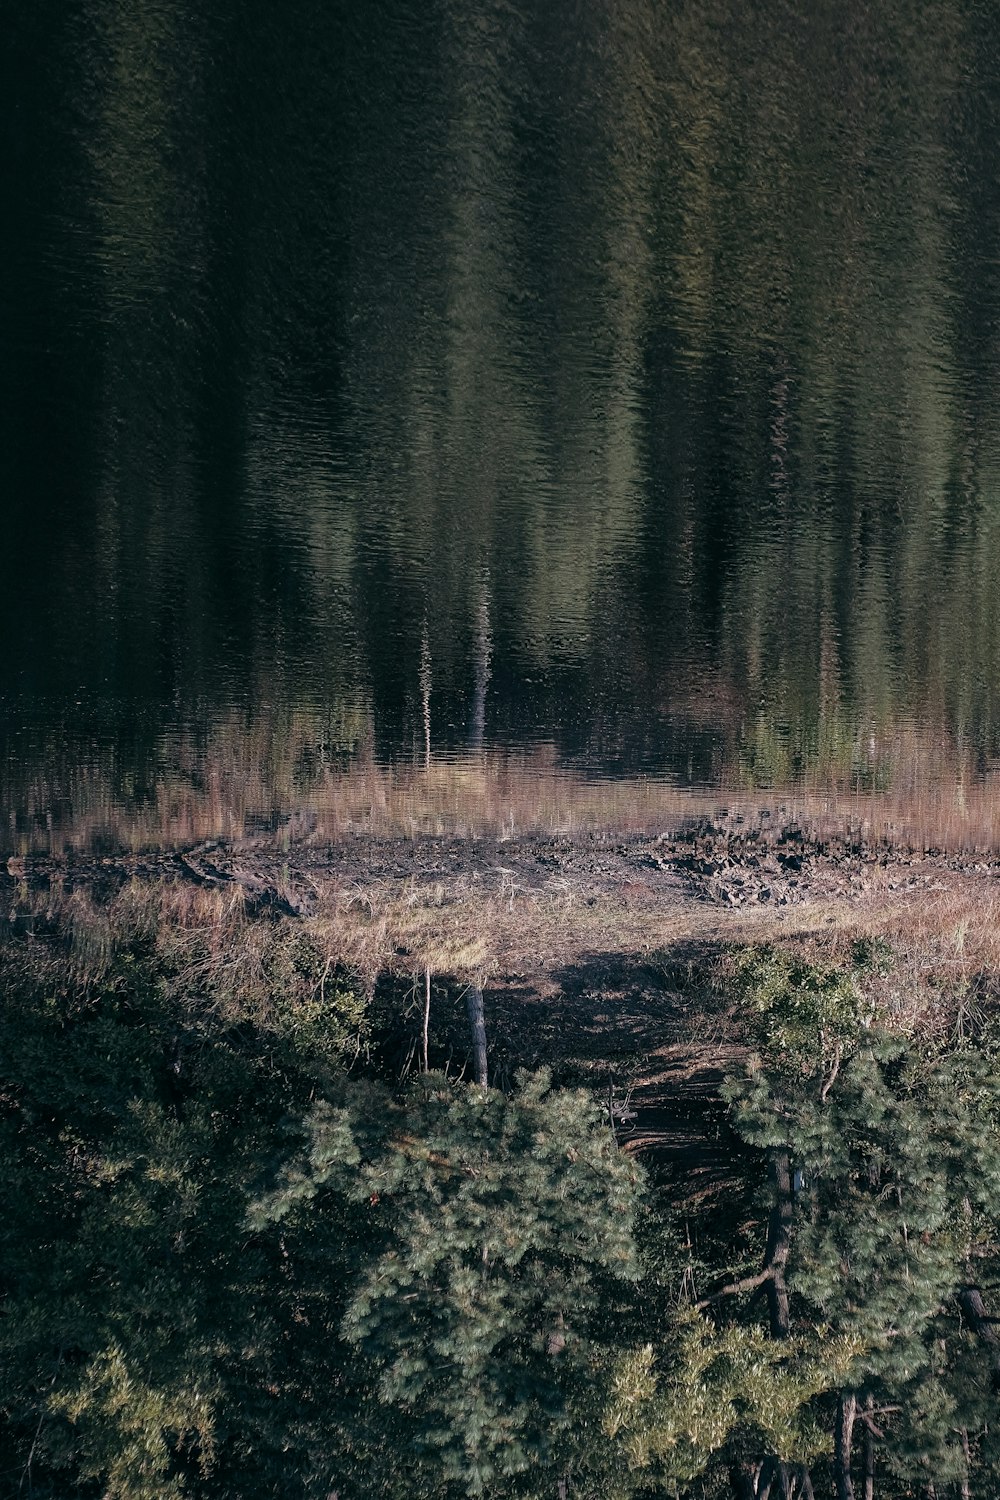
(731, 865)
(597, 952)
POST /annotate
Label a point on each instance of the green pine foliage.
(894, 1157)
(230, 1269)
(732, 1393)
(234, 1269)
(800, 1011)
(138, 1321)
(508, 1226)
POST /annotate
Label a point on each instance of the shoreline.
(606, 957)
(605, 931)
(731, 864)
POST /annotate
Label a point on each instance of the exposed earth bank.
(732, 866)
(597, 951)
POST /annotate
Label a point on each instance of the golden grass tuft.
(278, 776)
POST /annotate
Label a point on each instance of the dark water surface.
(614, 375)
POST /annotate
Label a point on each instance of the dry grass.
(946, 947)
(271, 786)
(940, 946)
(469, 931)
(630, 983)
(946, 937)
(280, 776)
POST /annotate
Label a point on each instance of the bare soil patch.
(599, 952)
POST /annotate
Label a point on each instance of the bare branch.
(748, 1284)
(828, 1085)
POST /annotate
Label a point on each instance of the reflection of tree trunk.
(483, 650)
(425, 693)
(477, 1027)
(847, 1407)
(779, 1233)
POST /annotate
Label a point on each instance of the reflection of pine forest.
(242, 1257)
(673, 349)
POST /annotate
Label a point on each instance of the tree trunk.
(868, 1454)
(427, 1015)
(847, 1407)
(779, 1239)
(771, 1279)
(968, 1464)
(745, 1480)
(477, 1028)
(739, 1483)
(970, 1300)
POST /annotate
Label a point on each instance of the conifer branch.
(828, 1085)
(747, 1284)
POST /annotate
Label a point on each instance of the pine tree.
(884, 1142)
(145, 1339)
(508, 1224)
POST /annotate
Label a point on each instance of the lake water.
(611, 381)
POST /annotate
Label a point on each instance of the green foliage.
(799, 1011)
(897, 1199)
(136, 1314)
(507, 1222)
(424, 1301)
(733, 1391)
(231, 1268)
